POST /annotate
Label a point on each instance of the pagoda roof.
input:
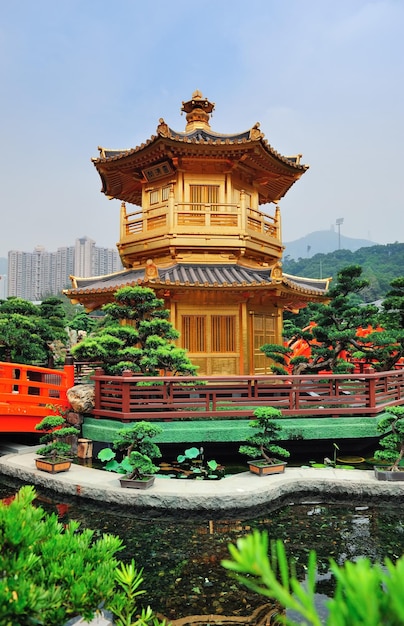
(123, 171)
(184, 275)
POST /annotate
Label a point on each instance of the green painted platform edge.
(203, 431)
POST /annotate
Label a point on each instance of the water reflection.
(181, 555)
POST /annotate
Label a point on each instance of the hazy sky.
(324, 78)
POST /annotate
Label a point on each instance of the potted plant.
(57, 451)
(260, 443)
(134, 442)
(392, 426)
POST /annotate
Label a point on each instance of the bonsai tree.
(267, 431)
(55, 439)
(135, 334)
(393, 443)
(139, 451)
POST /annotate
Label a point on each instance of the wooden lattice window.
(201, 195)
(223, 332)
(194, 333)
(154, 196)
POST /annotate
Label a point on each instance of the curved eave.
(121, 170)
(315, 284)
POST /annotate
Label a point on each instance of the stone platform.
(236, 492)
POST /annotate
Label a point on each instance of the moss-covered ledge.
(235, 430)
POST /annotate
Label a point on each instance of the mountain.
(380, 264)
(323, 241)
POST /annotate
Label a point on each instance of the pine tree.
(135, 334)
(336, 336)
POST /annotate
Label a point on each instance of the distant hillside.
(380, 265)
(322, 241)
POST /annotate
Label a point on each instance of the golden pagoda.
(192, 229)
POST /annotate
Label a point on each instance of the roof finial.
(198, 111)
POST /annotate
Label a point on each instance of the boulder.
(81, 397)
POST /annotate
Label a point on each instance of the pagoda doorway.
(263, 329)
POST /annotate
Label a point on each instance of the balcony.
(217, 226)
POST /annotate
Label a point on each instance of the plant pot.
(385, 474)
(53, 466)
(263, 468)
(84, 448)
(134, 483)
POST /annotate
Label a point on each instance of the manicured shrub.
(50, 572)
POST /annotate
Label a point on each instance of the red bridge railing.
(130, 397)
(27, 393)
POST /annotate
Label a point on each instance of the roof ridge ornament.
(163, 129)
(151, 270)
(277, 273)
(256, 133)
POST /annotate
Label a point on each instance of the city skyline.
(35, 275)
(38, 245)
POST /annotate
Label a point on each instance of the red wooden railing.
(127, 397)
(28, 393)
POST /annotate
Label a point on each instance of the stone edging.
(240, 491)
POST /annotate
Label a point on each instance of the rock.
(74, 419)
(103, 618)
(82, 398)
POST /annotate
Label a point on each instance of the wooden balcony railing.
(130, 397)
(206, 214)
(200, 215)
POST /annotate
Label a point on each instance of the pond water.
(181, 555)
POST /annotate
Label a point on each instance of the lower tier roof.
(201, 276)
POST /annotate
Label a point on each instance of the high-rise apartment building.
(39, 274)
(84, 256)
(63, 267)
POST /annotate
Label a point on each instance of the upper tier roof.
(123, 171)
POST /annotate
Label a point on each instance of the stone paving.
(239, 491)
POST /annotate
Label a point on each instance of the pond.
(181, 555)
